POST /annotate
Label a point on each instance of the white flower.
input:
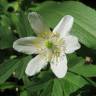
(50, 46)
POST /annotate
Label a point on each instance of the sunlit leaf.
(87, 70)
(84, 27)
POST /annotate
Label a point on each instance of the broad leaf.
(74, 60)
(24, 93)
(8, 67)
(85, 69)
(57, 89)
(20, 71)
(6, 36)
(84, 27)
(64, 87)
(77, 65)
(72, 82)
(7, 85)
(54, 88)
(21, 23)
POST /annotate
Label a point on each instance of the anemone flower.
(50, 46)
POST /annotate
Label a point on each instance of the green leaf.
(26, 80)
(6, 36)
(74, 60)
(20, 70)
(57, 89)
(77, 65)
(72, 82)
(84, 27)
(21, 23)
(24, 93)
(7, 85)
(36, 86)
(8, 67)
(84, 69)
(53, 88)
(43, 80)
(64, 87)
(48, 89)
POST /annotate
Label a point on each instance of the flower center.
(49, 44)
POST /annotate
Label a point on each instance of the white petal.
(59, 67)
(35, 65)
(37, 23)
(64, 26)
(71, 44)
(25, 45)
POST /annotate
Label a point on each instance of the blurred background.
(11, 5)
